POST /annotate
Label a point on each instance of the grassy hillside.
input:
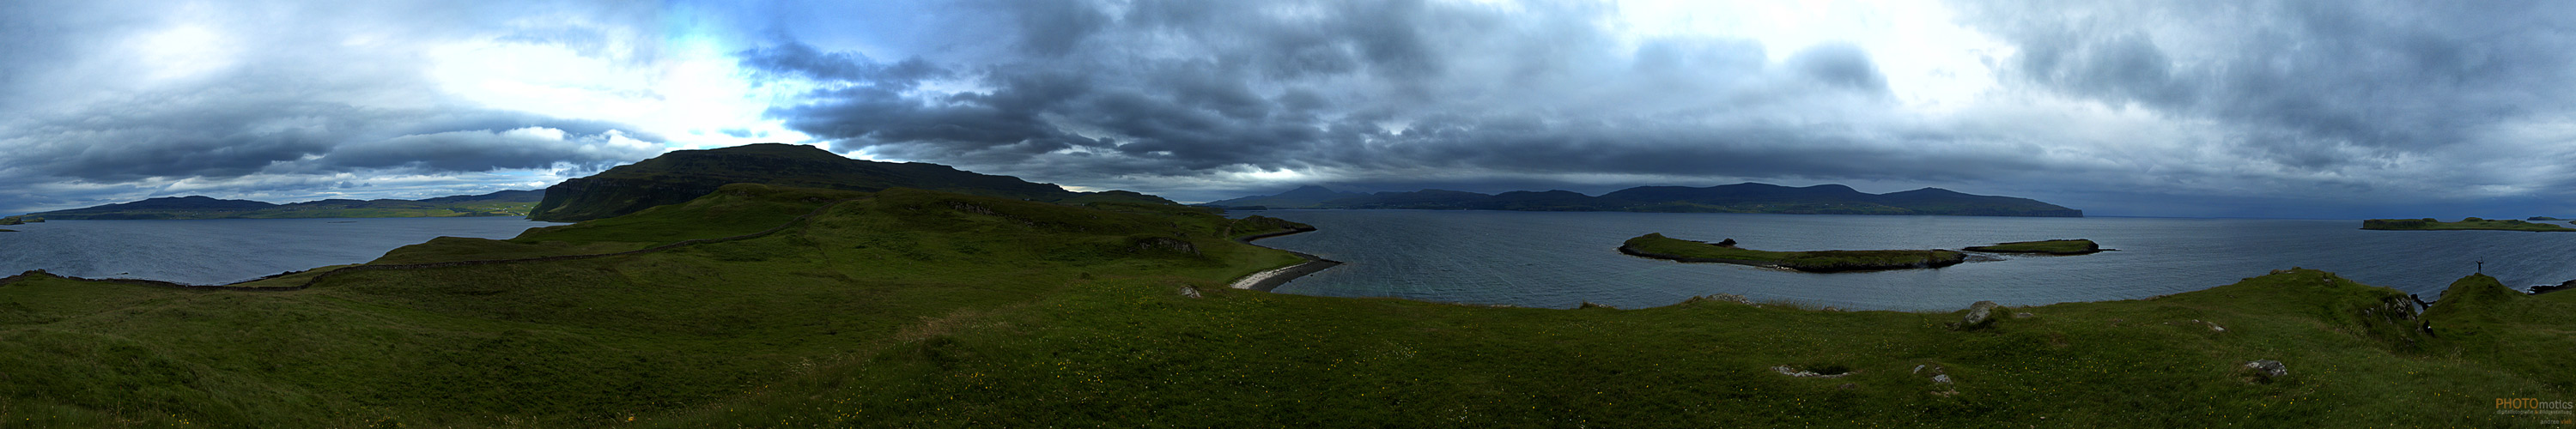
(1656, 245)
(2430, 224)
(907, 308)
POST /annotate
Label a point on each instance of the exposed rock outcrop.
(2267, 370)
(1979, 315)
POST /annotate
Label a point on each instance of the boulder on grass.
(2267, 370)
(1979, 315)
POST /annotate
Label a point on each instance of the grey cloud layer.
(280, 96)
(2328, 107)
(1184, 89)
(2305, 103)
(2311, 85)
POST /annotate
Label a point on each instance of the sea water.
(1560, 259)
(218, 251)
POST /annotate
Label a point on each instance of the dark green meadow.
(908, 308)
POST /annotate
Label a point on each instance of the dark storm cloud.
(799, 59)
(1840, 64)
(120, 100)
(2305, 76)
(2303, 102)
(1184, 88)
(242, 136)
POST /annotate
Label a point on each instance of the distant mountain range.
(680, 176)
(504, 203)
(1736, 198)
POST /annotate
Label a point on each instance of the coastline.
(318, 277)
(1271, 279)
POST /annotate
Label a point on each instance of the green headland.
(1656, 245)
(2430, 224)
(2054, 247)
(680, 176)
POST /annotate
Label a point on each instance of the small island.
(2430, 224)
(2053, 247)
(1656, 245)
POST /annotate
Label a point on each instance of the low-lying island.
(2076, 246)
(2431, 224)
(1656, 245)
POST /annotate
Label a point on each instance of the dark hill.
(1741, 193)
(527, 196)
(1303, 196)
(1952, 202)
(191, 202)
(680, 176)
(1423, 199)
(504, 203)
(1736, 198)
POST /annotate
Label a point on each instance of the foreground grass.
(2053, 247)
(1656, 245)
(2430, 224)
(920, 309)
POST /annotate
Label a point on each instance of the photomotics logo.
(2556, 412)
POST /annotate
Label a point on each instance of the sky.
(2302, 109)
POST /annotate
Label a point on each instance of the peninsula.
(2053, 247)
(503, 203)
(680, 176)
(2430, 224)
(1736, 198)
(1656, 245)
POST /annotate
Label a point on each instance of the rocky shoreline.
(1271, 279)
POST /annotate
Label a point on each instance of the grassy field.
(2430, 224)
(2053, 247)
(1656, 245)
(908, 308)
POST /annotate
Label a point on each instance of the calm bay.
(217, 251)
(1560, 259)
